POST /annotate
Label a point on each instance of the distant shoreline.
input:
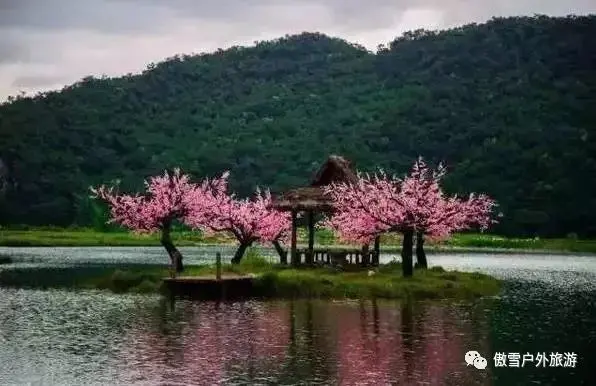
(459, 243)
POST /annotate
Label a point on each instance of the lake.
(56, 337)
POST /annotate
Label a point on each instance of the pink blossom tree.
(164, 202)
(436, 215)
(248, 220)
(366, 209)
(415, 205)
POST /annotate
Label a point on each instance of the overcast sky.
(46, 44)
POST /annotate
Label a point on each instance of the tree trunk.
(406, 253)
(365, 261)
(175, 255)
(283, 255)
(240, 253)
(376, 251)
(420, 254)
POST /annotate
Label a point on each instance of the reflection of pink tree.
(215, 344)
(247, 336)
(442, 346)
(428, 348)
(364, 358)
(446, 341)
(240, 343)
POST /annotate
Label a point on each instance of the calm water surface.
(94, 338)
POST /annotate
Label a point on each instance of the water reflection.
(91, 338)
(404, 344)
(305, 342)
(94, 338)
(56, 337)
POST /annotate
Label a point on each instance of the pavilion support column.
(294, 252)
(311, 237)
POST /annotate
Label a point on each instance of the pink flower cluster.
(382, 203)
(248, 220)
(164, 201)
(206, 206)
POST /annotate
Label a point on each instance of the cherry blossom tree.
(365, 209)
(369, 207)
(436, 215)
(164, 202)
(248, 220)
(414, 205)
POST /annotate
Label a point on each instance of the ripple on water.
(59, 337)
(96, 338)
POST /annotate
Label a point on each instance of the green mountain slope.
(508, 105)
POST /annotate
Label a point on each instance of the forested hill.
(509, 105)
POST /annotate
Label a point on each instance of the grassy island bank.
(271, 281)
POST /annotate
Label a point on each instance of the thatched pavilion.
(312, 199)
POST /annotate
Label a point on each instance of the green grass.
(52, 237)
(56, 237)
(387, 283)
(492, 241)
(272, 281)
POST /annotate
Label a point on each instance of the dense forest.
(509, 106)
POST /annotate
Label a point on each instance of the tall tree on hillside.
(164, 202)
(248, 220)
(534, 75)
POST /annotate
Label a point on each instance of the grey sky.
(45, 44)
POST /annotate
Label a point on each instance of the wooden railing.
(332, 256)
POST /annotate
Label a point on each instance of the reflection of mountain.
(534, 317)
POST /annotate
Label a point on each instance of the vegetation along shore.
(87, 237)
(270, 280)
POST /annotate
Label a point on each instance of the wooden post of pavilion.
(311, 237)
(294, 253)
(311, 199)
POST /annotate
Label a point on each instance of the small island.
(267, 280)
(358, 208)
(276, 281)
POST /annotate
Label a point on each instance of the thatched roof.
(335, 169)
(303, 199)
